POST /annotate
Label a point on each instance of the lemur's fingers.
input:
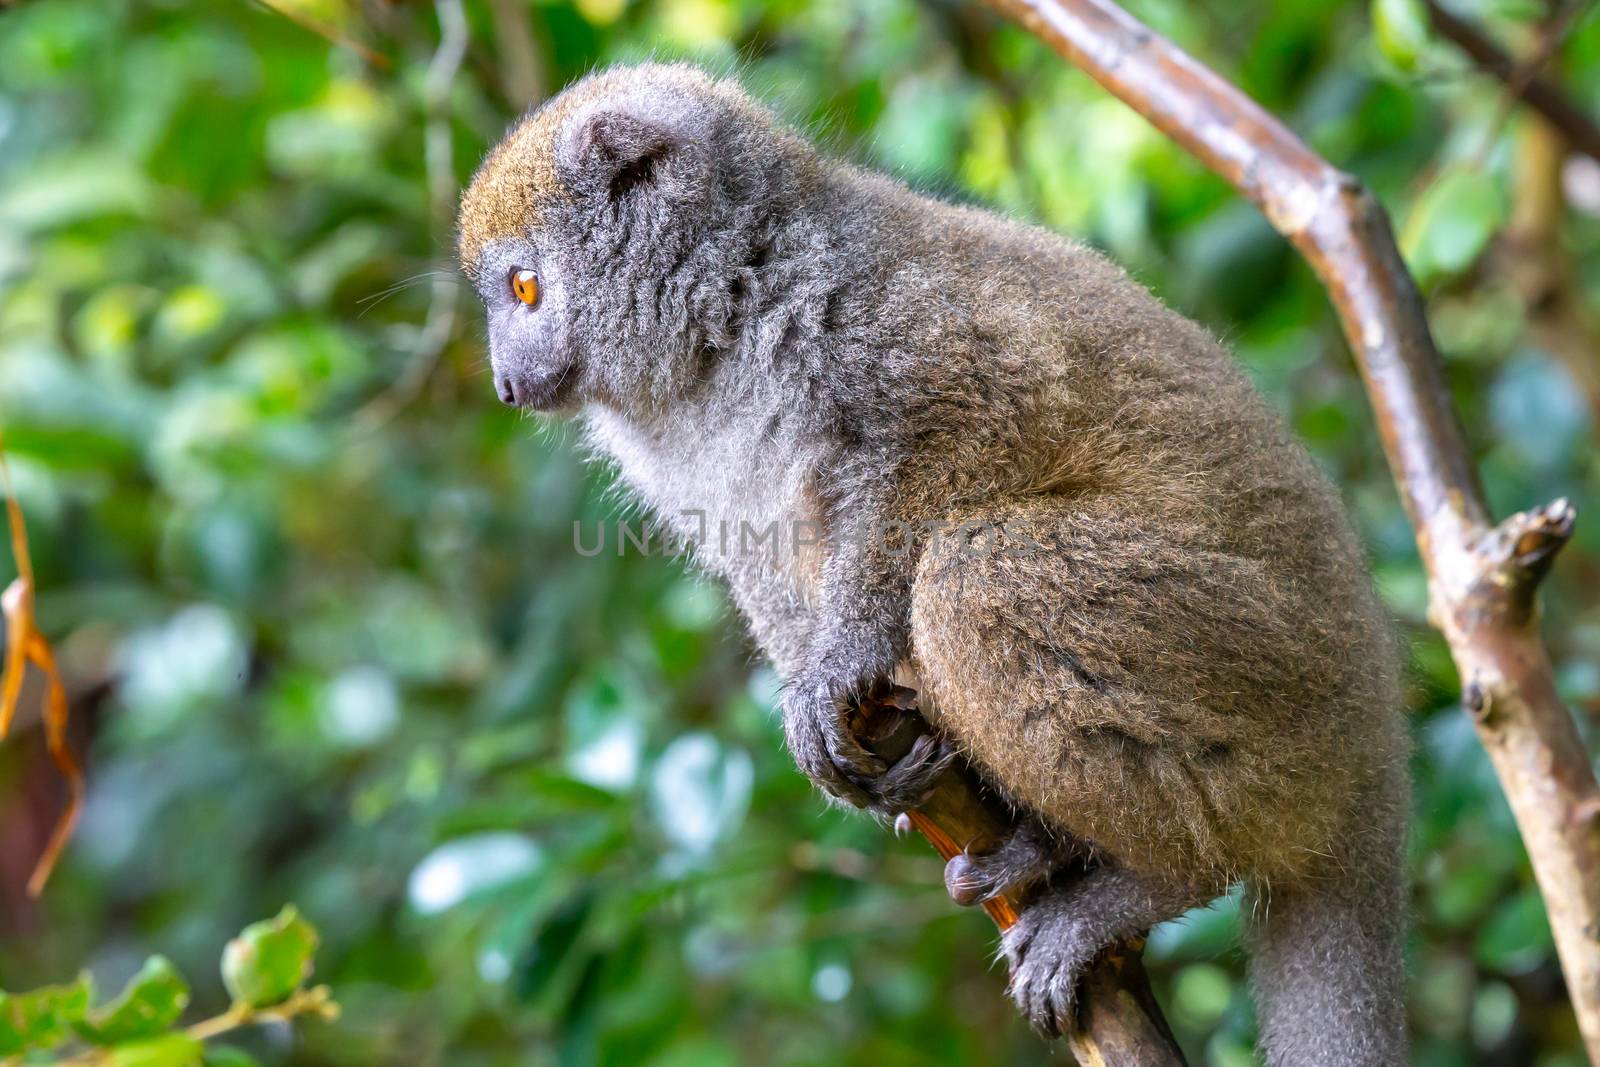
(848, 755)
(1029, 856)
(904, 786)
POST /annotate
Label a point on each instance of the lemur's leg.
(1028, 858)
(1062, 932)
(1115, 673)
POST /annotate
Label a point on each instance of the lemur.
(1130, 598)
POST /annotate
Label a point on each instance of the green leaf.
(42, 1018)
(1452, 223)
(170, 1050)
(1401, 29)
(151, 1002)
(228, 1056)
(269, 960)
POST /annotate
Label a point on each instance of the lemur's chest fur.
(740, 494)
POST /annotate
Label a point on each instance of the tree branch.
(1119, 1021)
(327, 31)
(1524, 82)
(1482, 575)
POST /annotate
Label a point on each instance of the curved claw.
(1058, 937)
(847, 755)
(965, 882)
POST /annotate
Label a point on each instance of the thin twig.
(327, 31)
(1482, 574)
(317, 1001)
(523, 76)
(1552, 33)
(1538, 92)
(440, 324)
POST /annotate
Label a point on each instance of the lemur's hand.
(815, 714)
(817, 709)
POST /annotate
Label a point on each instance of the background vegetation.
(314, 589)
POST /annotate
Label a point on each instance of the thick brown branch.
(1538, 92)
(1119, 1023)
(1482, 576)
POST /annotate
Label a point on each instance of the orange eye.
(525, 283)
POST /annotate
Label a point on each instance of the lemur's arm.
(863, 632)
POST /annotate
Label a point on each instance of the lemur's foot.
(1029, 856)
(1049, 950)
(1062, 932)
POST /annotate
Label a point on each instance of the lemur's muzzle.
(539, 391)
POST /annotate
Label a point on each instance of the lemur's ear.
(617, 151)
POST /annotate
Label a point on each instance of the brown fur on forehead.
(518, 178)
(514, 182)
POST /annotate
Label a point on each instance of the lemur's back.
(1029, 379)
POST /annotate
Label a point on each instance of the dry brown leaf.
(25, 645)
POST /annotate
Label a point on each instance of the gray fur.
(1147, 621)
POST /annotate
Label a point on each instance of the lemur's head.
(612, 232)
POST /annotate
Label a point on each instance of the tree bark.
(1482, 575)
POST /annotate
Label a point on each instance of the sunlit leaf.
(77, 187)
(1517, 936)
(699, 791)
(458, 869)
(1452, 223)
(604, 735)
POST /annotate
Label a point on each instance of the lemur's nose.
(508, 392)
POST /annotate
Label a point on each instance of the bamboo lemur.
(1131, 599)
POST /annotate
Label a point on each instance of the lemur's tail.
(1327, 963)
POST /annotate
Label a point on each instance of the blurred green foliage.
(316, 595)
